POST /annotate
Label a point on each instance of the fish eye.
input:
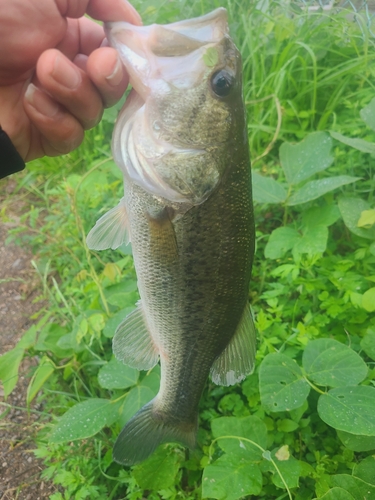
(222, 82)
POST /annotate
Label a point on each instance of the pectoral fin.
(163, 236)
(111, 230)
(133, 343)
(237, 359)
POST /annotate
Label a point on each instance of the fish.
(181, 142)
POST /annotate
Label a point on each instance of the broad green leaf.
(152, 379)
(336, 494)
(280, 241)
(365, 470)
(360, 490)
(252, 428)
(360, 144)
(368, 114)
(123, 294)
(314, 189)
(85, 420)
(158, 471)
(351, 209)
(321, 216)
(136, 398)
(267, 190)
(230, 478)
(289, 469)
(281, 383)
(350, 409)
(313, 241)
(357, 443)
(116, 375)
(368, 300)
(122, 299)
(367, 219)
(301, 161)
(327, 362)
(368, 343)
(9, 364)
(112, 323)
(42, 373)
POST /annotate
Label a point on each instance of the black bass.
(181, 142)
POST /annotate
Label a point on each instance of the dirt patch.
(19, 288)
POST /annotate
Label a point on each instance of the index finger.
(113, 10)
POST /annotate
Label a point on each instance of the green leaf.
(48, 339)
(290, 470)
(368, 300)
(112, 323)
(368, 114)
(350, 409)
(360, 144)
(136, 398)
(365, 470)
(252, 428)
(368, 343)
(280, 241)
(281, 383)
(336, 494)
(29, 337)
(314, 189)
(359, 489)
(357, 443)
(367, 219)
(326, 362)
(286, 425)
(321, 216)
(159, 471)
(351, 210)
(313, 241)
(230, 478)
(9, 364)
(85, 420)
(42, 373)
(116, 375)
(267, 190)
(301, 161)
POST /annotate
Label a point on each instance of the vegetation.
(303, 425)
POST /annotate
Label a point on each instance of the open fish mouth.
(146, 50)
(162, 61)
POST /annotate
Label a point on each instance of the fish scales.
(194, 301)
(181, 142)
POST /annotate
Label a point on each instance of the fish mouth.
(158, 58)
(146, 51)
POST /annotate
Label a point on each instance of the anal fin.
(111, 230)
(237, 359)
(133, 344)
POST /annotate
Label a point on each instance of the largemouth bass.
(181, 142)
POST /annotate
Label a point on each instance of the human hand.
(55, 77)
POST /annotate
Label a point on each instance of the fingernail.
(133, 16)
(66, 74)
(117, 74)
(40, 101)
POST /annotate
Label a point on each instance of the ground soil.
(19, 289)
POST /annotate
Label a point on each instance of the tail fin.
(143, 434)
